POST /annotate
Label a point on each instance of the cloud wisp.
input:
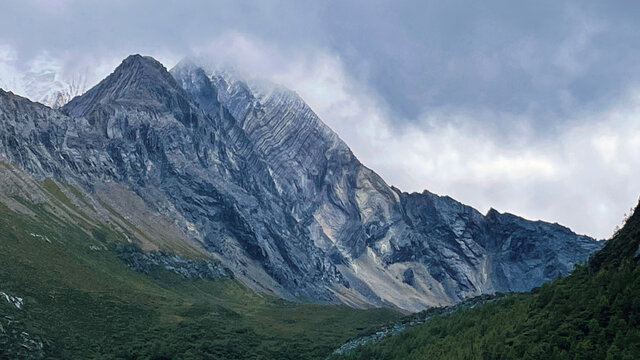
(586, 180)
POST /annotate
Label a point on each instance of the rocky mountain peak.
(137, 81)
(187, 73)
(140, 90)
(260, 181)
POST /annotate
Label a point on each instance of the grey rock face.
(257, 179)
(390, 245)
(190, 269)
(140, 128)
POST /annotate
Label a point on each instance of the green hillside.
(594, 313)
(80, 301)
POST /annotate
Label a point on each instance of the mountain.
(81, 279)
(204, 163)
(411, 250)
(594, 313)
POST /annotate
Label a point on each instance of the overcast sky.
(529, 108)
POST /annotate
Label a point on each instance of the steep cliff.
(251, 176)
(411, 250)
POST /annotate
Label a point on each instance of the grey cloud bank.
(543, 59)
(525, 108)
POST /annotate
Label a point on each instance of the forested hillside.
(594, 313)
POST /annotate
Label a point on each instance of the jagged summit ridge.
(192, 167)
(254, 177)
(139, 81)
(375, 233)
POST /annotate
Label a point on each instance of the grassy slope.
(85, 303)
(592, 314)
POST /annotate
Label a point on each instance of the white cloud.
(9, 79)
(585, 177)
(42, 73)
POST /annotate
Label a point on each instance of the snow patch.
(41, 237)
(14, 300)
